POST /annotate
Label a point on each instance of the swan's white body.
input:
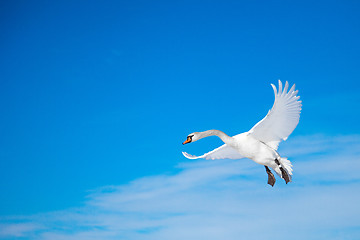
(262, 141)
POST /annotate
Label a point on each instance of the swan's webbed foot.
(271, 178)
(284, 174)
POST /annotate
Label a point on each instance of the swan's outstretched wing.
(225, 151)
(281, 119)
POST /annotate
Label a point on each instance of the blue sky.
(96, 99)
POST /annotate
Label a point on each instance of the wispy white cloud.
(224, 199)
(18, 229)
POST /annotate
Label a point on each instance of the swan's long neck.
(223, 136)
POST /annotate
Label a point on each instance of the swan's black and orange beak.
(188, 140)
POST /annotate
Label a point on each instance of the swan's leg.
(284, 174)
(271, 178)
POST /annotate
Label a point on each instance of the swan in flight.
(260, 144)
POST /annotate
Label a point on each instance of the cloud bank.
(223, 199)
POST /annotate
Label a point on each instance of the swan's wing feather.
(282, 119)
(225, 151)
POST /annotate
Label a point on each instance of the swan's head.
(192, 137)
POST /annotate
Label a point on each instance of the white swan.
(261, 142)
